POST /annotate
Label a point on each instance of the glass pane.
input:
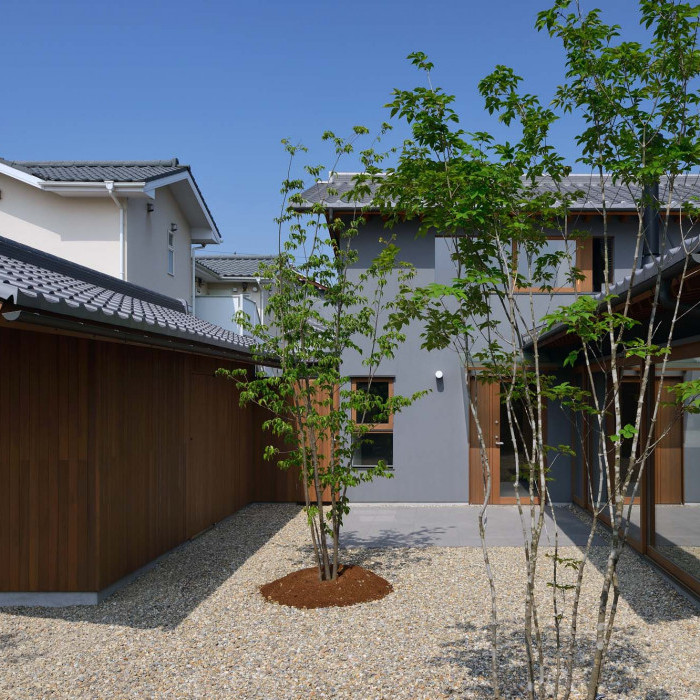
(375, 446)
(676, 533)
(523, 432)
(561, 273)
(629, 396)
(579, 461)
(376, 388)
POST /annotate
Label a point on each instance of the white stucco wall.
(147, 246)
(220, 302)
(83, 230)
(228, 289)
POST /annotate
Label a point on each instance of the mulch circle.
(302, 589)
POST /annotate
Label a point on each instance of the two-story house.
(228, 283)
(432, 446)
(137, 221)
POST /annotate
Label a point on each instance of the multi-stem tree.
(498, 202)
(318, 312)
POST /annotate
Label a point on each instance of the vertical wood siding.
(112, 454)
(47, 514)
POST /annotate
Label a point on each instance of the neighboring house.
(136, 221)
(432, 445)
(226, 284)
(118, 441)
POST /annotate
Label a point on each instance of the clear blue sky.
(220, 83)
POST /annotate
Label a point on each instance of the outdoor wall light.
(439, 374)
(150, 207)
(173, 227)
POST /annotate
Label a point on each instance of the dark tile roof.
(226, 266)
(686, 188)
(98, 171)
(670, 263)
(41, 283)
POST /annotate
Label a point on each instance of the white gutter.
(95, 189)
(109, 185)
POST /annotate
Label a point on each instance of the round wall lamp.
(439, 374)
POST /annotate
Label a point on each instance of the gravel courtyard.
(195, 626)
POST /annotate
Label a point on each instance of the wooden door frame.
(488, 394)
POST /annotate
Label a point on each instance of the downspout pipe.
(652, 239)
(194, 249)
(261, 292)
(109, 185)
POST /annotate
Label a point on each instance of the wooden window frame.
(375, 428)
(583, 262)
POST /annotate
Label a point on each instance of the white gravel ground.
(196, 627)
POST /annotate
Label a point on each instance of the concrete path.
(388, 525)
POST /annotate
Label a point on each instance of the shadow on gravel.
(381, 559)
(9, 652)
(185, 577)
(391, 538)
(625, 666)
(656, 600)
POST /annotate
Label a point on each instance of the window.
(378, 443)
(171, 252)
(599, 252)
(561, 275)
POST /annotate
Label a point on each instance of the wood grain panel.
(488, 410)
(112, 454)
(584, 262)
(668, 458)
(46, 524)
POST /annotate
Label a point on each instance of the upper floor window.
(171, 252)
(587, 255)
(557, 276)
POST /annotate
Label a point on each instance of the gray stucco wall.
(430, 437)
(431, 452)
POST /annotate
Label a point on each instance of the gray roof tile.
(40, 282)
(98, 171)
(620, 197)
(231, 266)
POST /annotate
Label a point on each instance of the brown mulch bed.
(303, 589)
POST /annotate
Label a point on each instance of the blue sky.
(219, 84)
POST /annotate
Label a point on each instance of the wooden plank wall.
(140, 449)
(270, 484)
(47, 512)
(112, 454)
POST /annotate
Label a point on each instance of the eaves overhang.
(14, 308)
(666, 267)
(182, 184)
(184, 187)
